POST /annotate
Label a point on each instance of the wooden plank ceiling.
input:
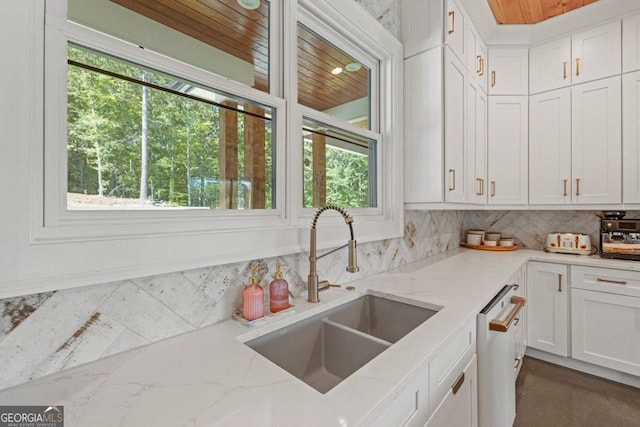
(244, 33)
(531, 11)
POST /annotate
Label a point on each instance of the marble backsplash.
(48, 332)
(530, 228)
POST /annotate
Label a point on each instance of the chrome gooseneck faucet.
(314, 287)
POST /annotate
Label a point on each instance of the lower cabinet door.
(606, 330)
(459, 408)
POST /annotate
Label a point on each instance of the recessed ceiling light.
(336, 71)
(249, 4)
(354, 66)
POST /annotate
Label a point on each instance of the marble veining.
(45, 333)
(531, 227)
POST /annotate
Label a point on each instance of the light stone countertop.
(209, 377)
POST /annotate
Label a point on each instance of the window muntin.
(218, 36)
(332, 81)
(204, 148)
(339, 167)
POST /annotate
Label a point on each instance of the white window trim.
(69, 251)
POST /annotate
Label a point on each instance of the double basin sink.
(326, 348)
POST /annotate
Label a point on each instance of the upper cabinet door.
(597, 141)
(631, 43)
(596, 53)
(507, 152)
(476, 52)
(454, 29)
(508, 71)
(631, 137)
(550, 147)
(549, 66)
(455, 79)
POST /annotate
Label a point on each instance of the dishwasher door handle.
(503, 326)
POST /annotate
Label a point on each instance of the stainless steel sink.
(325, 349)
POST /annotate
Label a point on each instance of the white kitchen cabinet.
(596, 53)
(455, 82)
(508, 70)
(476, 140)
(549, 65)
(459, 407)
(631, 43)
(548, 300)
(507, 150)
(423, 129)
(596, 143)
(550, 147)
(631, 137)
(476, 52)
(409, 408)
(584, 56)
(575, 145)
(455, 27)
(605, 313)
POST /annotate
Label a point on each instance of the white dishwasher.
(496, 341)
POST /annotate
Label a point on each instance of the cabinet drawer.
(459, 408)
(607, 280)
(449, 362)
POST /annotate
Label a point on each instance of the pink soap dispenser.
(253, 298)
(278, 291)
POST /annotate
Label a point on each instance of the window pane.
(331, 81)
(216, 35)
(138, 138)
(339, 167)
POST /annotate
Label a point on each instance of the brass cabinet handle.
(458, 383)
(577, 186)
(479, 70)
(493, 78)
(452, 174)
(479, 192)
(517, 362)
(481, 66)
(564, 70)
(577, 66)
(564, 181)
(503, 326)
(482, 186)
(617, 282)
(559, 282)
(493, 188)
(452, 14)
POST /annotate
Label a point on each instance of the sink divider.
(364, 335)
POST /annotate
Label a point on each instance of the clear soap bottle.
(278, 291)
(253, 298)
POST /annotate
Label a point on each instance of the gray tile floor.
(549, 395)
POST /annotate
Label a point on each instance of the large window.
(141, 139)
(154, 136)
(337, 84)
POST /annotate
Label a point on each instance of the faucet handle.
(324, 285)
(353, 258)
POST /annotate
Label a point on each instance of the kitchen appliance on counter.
(569, 243)
(496, 366)
(620, 238)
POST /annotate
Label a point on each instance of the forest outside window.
(139, 138)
